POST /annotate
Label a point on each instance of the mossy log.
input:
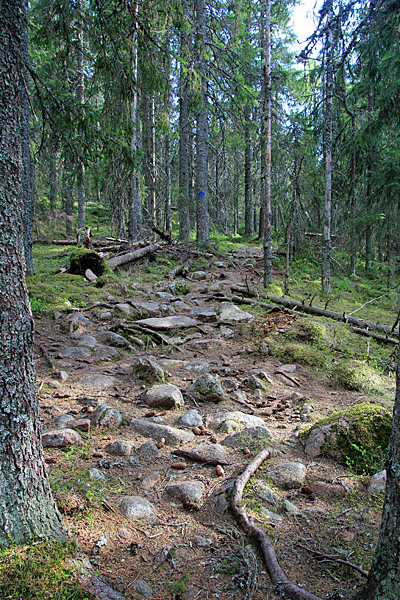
(82, 259)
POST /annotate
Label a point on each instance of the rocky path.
(158, 402)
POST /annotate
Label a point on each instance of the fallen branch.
(376, 336)
(128, 257)
(320, 557)
(196, 457)
(275, 572)
(166, 237)
(149, 332)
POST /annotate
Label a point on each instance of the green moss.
(274, 289)
(82, 259)
(357, 436)
(356, 375)
(39, 572)
(300, 353)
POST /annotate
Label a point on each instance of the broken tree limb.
(128, 257)
(275, 572)
(376, 336)
(148, 331)
(166, 237)
(196, 457)
(320, 557)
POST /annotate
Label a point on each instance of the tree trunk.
(248, 204)
(267, 158)
(167, 218)
(326, 239)
(80, 95)
(384, 575)
(26, 154)
(27, 508)
(183, 198)
(53, 179)
(202, 230)
(135, 208)
(68, 198)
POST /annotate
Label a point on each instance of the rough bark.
(384, 575)
(80, 96)
(248, 203)
(326, 241)
(26, 154)
(203, 228)
(27, 508)
(267, 158)
(135, 208)
(183, 198)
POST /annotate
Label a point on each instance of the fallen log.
(128, 257)
(275, 572)
(293, 305)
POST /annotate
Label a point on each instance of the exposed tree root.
(275, 572)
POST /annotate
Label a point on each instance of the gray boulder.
(191, 418)
(206, 388)
(119, 448)
(247, 437)
(164, 396)
(289, 475)
(172, 435)
(230, 313)
(106, 416)
(187, 491)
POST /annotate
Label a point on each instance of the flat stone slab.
(172, 435)
(75, 352)
(173, 322)
(243, 419)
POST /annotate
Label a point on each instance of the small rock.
(172, 435)
(76, 353)
(214, 451)
(191, 418)
(377, 483)
(230, 313)
(106, 416)
(291, 508)
(315, 442)
(247, 436)
(207, 388)
(138, 509)
(96, 474)
(142, 587)
(119, 448)
(149, 370)
(64, 420)
(200, 541)
(328, 491)
(60, 438)
(271, 516)
(187, 491)
(265, 493)
(87, 340)
(164, 396)
(288, 475)
(174, 322)
(81, 425)
(148, 451)
(242, 419)
(113, 339)
(150, 480)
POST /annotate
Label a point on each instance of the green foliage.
(179, 586)
(300, 353)
(39, 571)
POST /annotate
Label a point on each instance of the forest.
(199, 304)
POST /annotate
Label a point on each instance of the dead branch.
(46, 355)
(128, 257)
(275, 572)
(196, 457)
(376, 336)
(320, 557)
(149, 332)
(369, 302)
(166, 237)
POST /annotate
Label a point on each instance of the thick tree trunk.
(326, 239)
(267, 158)
(384, 575)
(167, 213)
(183, 198)
(27, 508)
(26, 154)
(203, 228)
